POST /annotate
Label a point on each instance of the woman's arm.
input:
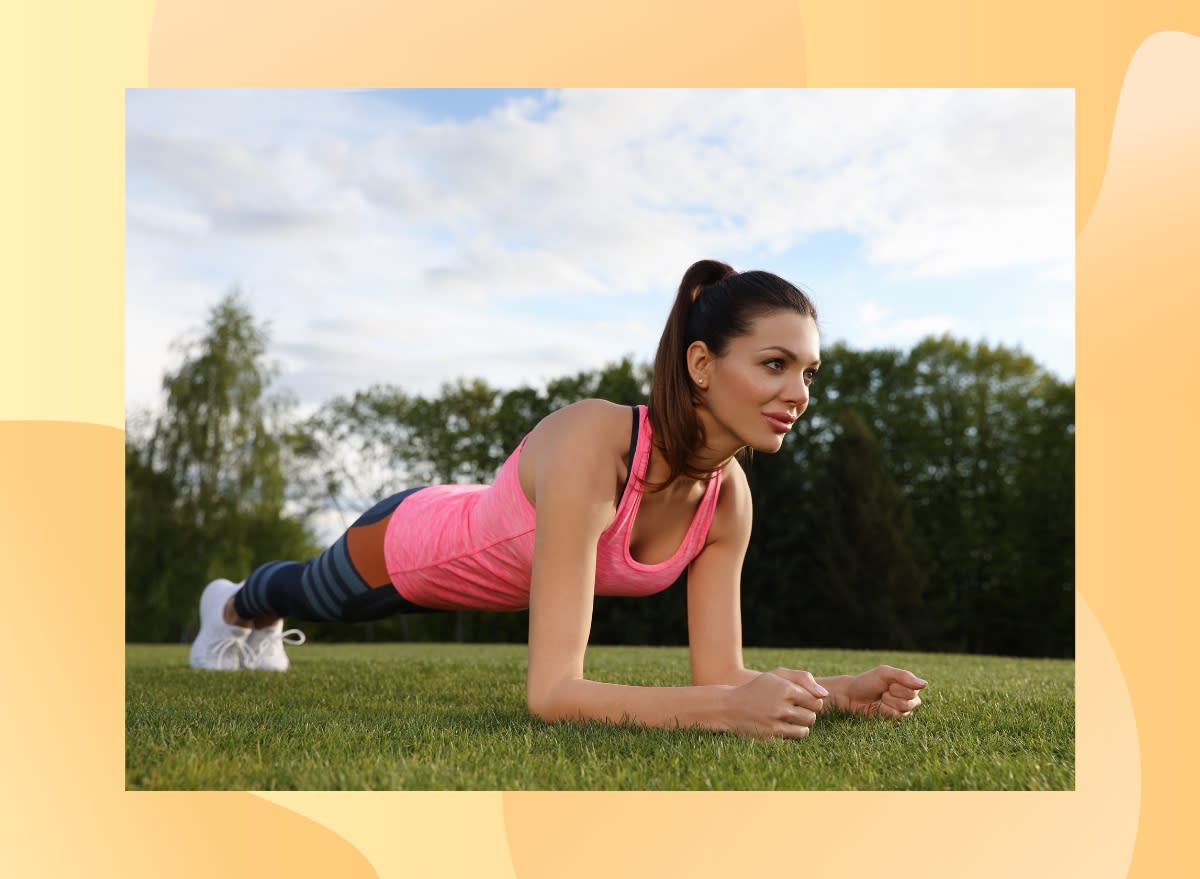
(714, 588)
(573, 477)
(715, 623)
(714, 592)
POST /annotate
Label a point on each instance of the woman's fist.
(890, 693)
(780, 703)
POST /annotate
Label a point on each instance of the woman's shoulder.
(593, 417)
(586, 439)
(588, 431)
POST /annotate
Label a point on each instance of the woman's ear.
(699, 363)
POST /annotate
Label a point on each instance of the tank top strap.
(633, 441)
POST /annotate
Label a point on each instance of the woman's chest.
(661, 525)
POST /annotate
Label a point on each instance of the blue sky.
(410, 237)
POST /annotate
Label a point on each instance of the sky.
(410, 237)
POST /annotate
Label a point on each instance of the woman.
(598, 499)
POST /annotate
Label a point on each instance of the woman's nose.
(797, 394)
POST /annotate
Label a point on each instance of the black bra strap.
(633, 438)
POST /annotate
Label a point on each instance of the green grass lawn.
(453, 716)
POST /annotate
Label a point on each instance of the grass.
(449, 716)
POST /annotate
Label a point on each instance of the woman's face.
(754, 391)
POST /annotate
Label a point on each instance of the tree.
(979, 442)
(863, 544)
(205, 484)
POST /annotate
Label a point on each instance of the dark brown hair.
(714, 305)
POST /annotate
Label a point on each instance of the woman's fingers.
(899, 704)
(897, 707)
(791, 686)
(902, 676)
(807, 700)
(771, 706)
(800, 717)
(791, 731)
(900, 691)
(802, 679)
(795, 724)
(798, 712)
(784, 728)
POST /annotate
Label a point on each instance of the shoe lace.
(299, 639)
(271, 640)
(220, 648)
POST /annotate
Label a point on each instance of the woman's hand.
(781, 703)
(890, 693)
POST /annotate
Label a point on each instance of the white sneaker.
(264, 647)
(219, 646)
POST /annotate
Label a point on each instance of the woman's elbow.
(539, 706)
(542, 702)
(548, 702)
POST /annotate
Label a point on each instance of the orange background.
(66, 65)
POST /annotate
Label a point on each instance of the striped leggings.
(348, 582)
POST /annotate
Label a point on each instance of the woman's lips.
(779, 423)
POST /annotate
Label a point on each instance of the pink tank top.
(470, 547)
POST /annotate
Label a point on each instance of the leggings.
(348, 582)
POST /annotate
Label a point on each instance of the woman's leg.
(348, 582)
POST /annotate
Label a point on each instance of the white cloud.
(906, 332)
(1055, 314)
(937, 182)
(383, 244)
(168, 220)
(915, 328)
(484, 270)
(871, 313)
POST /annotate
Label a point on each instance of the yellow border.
(1133, 67)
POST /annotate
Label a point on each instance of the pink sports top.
(470, 547)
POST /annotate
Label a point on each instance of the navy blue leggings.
(331, 586)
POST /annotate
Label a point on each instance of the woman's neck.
(719, 446)
(682, 485)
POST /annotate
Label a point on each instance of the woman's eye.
(775, 365)
(810, 375)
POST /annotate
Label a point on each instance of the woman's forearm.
(705, 705)
(578, 699)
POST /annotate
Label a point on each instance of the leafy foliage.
(967, 531)
(205, 480)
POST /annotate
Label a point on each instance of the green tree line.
(925, 500)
